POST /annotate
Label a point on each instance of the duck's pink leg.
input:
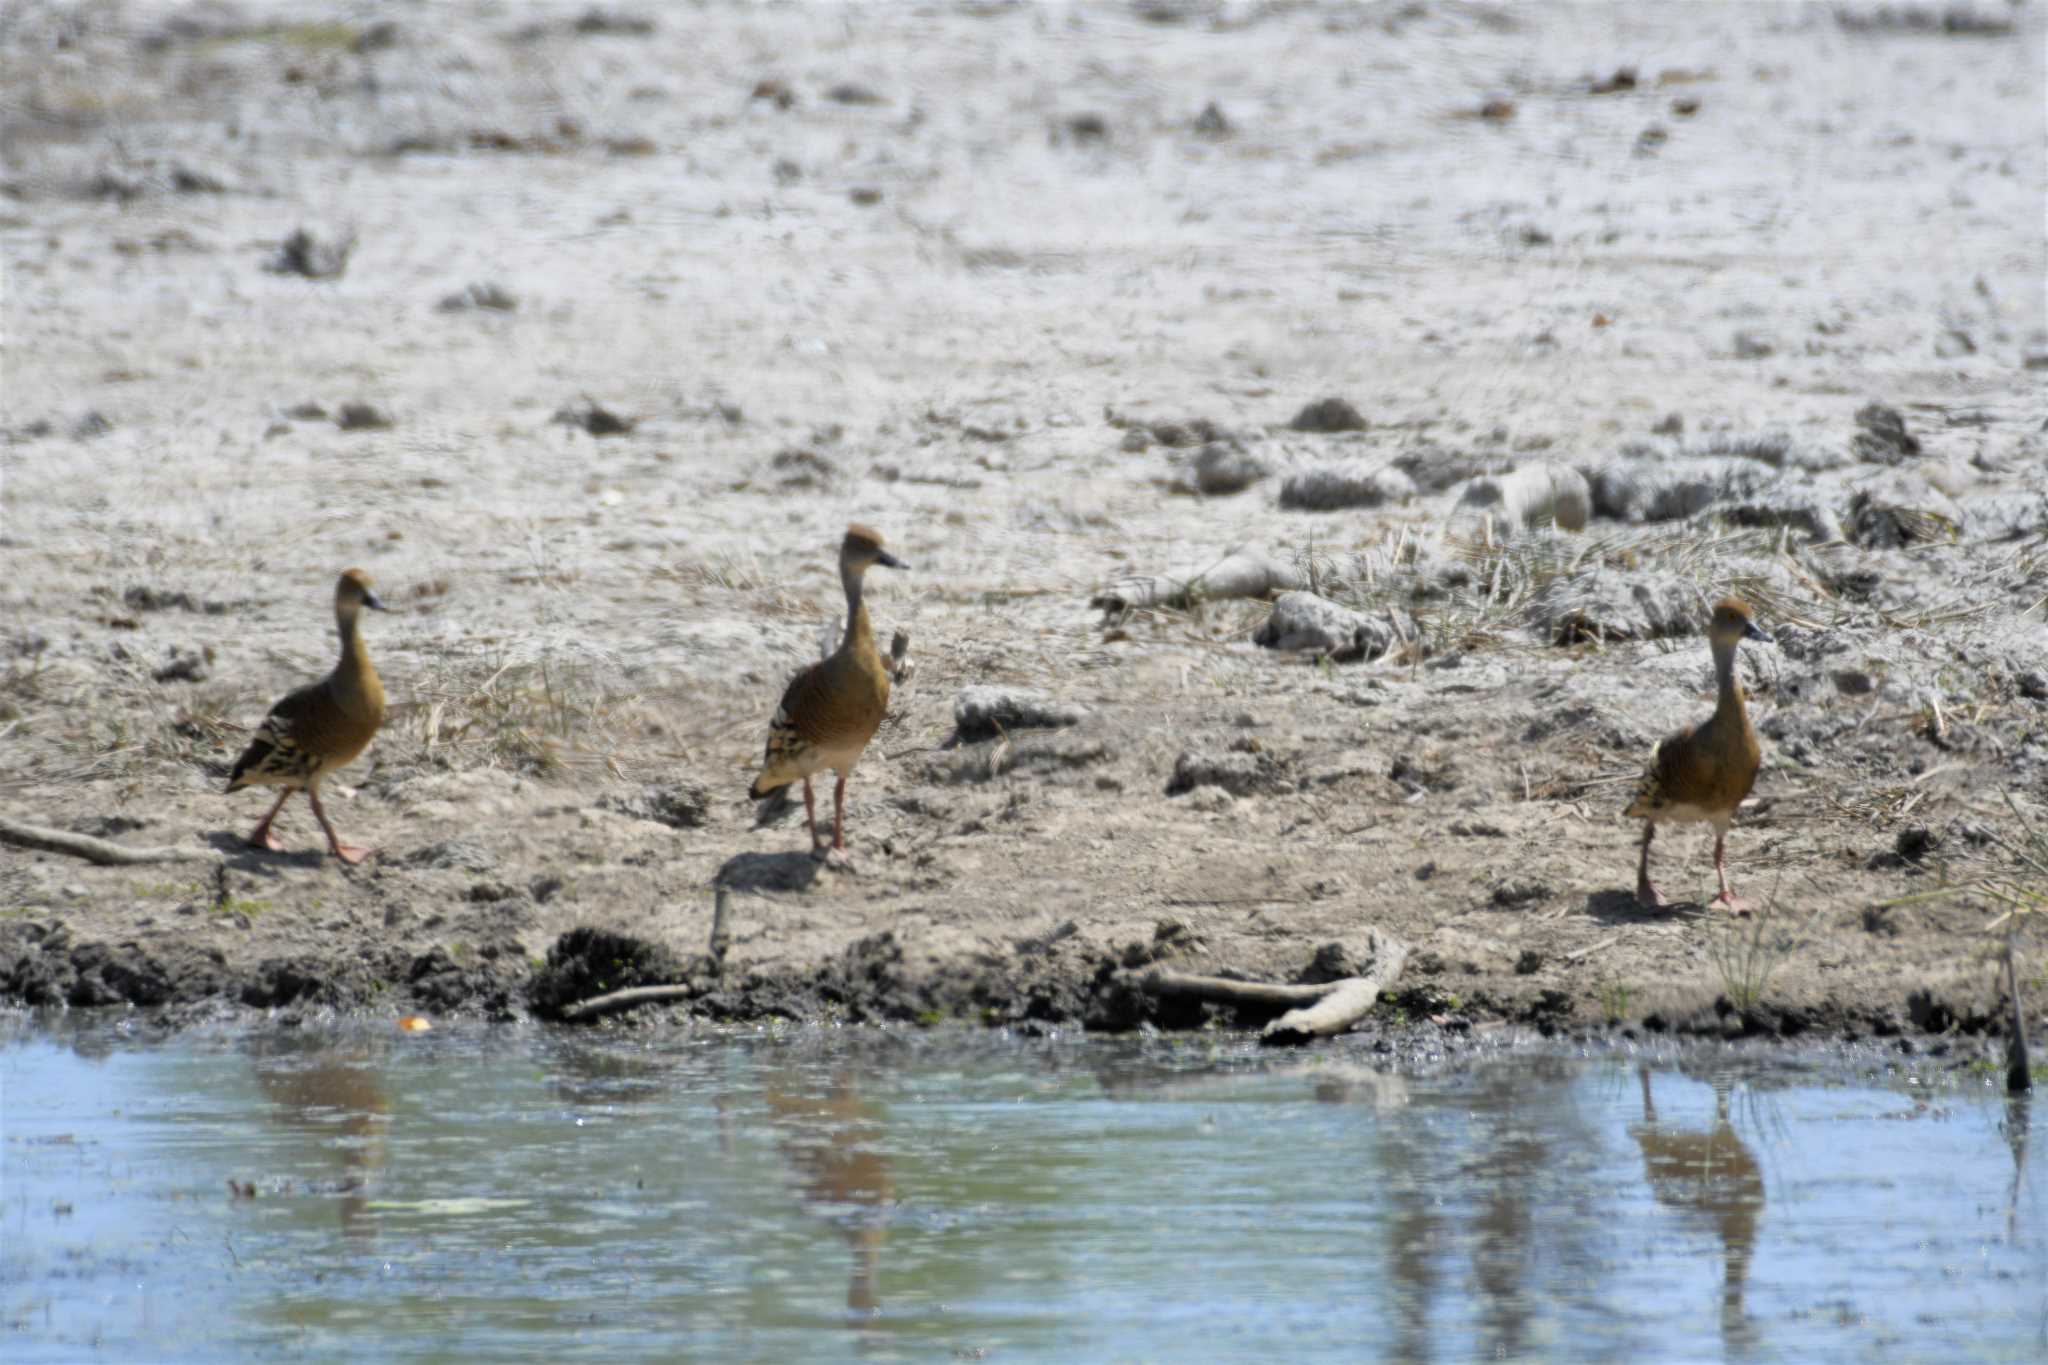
(261, 837)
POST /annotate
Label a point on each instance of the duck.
(1702, 774)
(832, 709)
(320, 727)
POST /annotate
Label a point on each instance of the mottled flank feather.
(276, 756)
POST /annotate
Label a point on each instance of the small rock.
(595, 419)
(866, 196)
(1352, 483)
(1953, 345)
(1915, 842)
(1332, 962)
(1211, 800)
(1194, 431)
(597, 21)
(304, 254)
(1529, 963)
(1085, 127)
(183, 667)
(476, 296)
(306, 412)
(1750, 346)
(1645, 485)
(1883, 438)
(679, 805)
(1136, 441)
(1302, 620)
(1510, 894)
(1609, 604)
(1238, 774)
(1328, 414)
(1211, 122)
(1900, 508)
(1221, 469)
(2033, 685)
(1537, 494)
(362, 417)
(851, 92)
(94, 423)
(803, 469)
(983, 712)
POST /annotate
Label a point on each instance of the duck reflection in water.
(336, 1095)
(1711, 1174)
(832, 1141)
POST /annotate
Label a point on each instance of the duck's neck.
(355, 660)
(1730, 701)
(859, 634)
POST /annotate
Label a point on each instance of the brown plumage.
(1702, 773)
(833, 708)
(320, 727)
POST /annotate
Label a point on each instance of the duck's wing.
(286, 749)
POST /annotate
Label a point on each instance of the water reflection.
(550, 1195)
(1711, 1175)
(2018, 1119)
(336, 1096)
(833, 1142)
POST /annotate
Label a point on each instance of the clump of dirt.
(587, 962)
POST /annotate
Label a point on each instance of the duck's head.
(1732, 624)
(352, 592)
(862, 549)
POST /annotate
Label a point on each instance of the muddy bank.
(1314, 487)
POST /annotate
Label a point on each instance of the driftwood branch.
(1311, 1011)
(618, 1000)
(1347, 1001)
(102, 851)
(1242, 573)
(1222, 990)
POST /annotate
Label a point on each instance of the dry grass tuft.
(546, 719)
(1472, 589)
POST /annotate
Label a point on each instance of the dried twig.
(102, 851)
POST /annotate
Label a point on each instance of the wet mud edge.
(1059, 982)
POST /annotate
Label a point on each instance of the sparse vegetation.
(1747, 952)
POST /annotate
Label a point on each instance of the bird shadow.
(769, 872)
(243, 856)
(1622, 907)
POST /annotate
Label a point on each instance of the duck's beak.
(1754, 632)
(889, 561)
(373, 602)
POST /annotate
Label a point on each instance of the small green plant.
(1746, 953)
(1614, 1001)
(249, 906)
(165, 891)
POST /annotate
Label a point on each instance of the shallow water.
(525, 1194)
